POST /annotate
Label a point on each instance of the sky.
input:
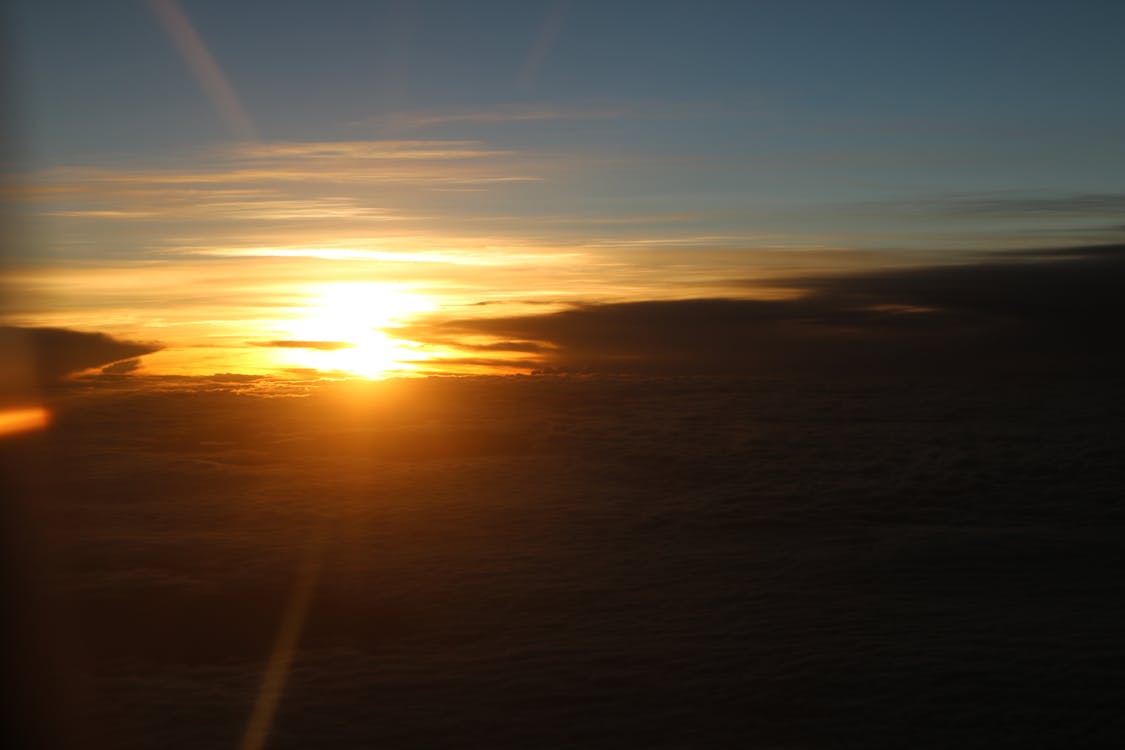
(370, 188)
(228, 227)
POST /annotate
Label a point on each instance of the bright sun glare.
(363, 316)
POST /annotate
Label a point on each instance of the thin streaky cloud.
(492, 116)
(74, 183)
(324, 346)
(435, 163)
(109, 202)
(687, 241)
(373, 149)
(368, 250)
(204, 67)
(101, 214)
(319, 208)
(1003, 205)
(342, 172)
(1077, 205)
(541, 47)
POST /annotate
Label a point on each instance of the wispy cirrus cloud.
(339, 171)
(258, 166)
(1034, 205)
(464, 120)
(1019, 204)
(183, 207)
(378, 149)
(542, 45)
(207, 71)
(501, 115)
(400, 248)
(99, 213)
(354, 181)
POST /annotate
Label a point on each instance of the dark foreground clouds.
(46, 355)
(1041, 310)
(586, 562)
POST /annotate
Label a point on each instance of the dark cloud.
(123, 367)
(1108, 250)
(1038, 206)
(527, 347)
(47, 355)
(325, 346)
(485, 303)
(234, 377)
(441, 337)
(437, 363)
(1009, 205)
(1073, 292)
(1038, 309)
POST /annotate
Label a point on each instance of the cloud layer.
(589, 562)
(50, 354)
(1040, 309)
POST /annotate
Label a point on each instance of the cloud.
(1074, 288)
(50, 354)
(493, 116)
(330, 170)
(324, 346)
(204, 67)
(188, 205)
(271, 179)
(123, 367)
(1016, 205)
(380, 149)
(1038, 206)
(542, 45)
(527, 347)
(479, 365)
(1047, 310)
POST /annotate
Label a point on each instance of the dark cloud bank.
(47, 355)
(1044, 310)
(593, 562)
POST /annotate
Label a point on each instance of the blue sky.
(101, 77)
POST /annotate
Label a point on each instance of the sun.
(349, 326)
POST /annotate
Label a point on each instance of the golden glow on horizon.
(357, 314)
